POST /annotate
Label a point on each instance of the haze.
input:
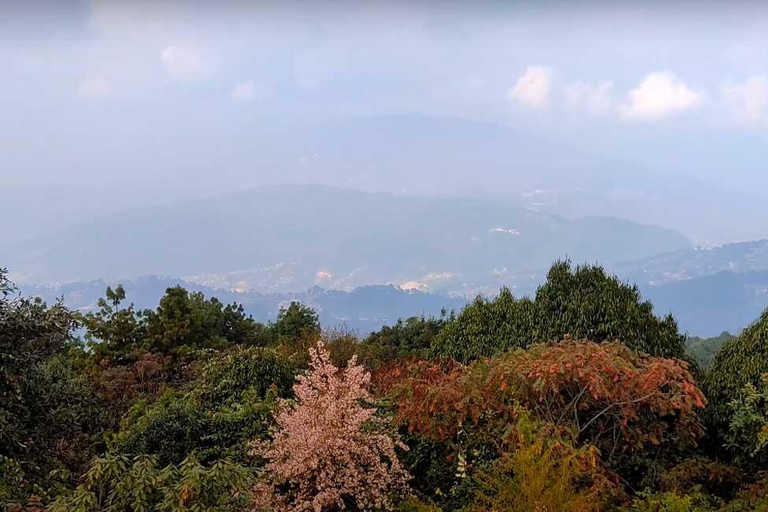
(656, 114)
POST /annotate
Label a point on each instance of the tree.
(47, 411)
(583, 303)
(215, 416)
(330, 449)
(296, 321)
(740, 362)
(605, 395)
(111, 331)
(182, 321)
(587, 303)
(747, 435)
(487, 327)
(185, 319)
(411, 337)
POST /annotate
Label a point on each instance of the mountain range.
(708, 290)
(363, 309)
(287, 238)
(401, 154)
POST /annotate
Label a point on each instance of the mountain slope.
(334, 237)
(707, 306)
(696, 262)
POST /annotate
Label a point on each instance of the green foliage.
(703, 350)
(588, 303)
(161, 412)
(411, 337)
(47, 410)
(112, 330)
(246, 369)
(698, 474)
(747, 434)
(741, 361)
(541, 471)
(296, 321)
(584, 303)
(487, 327)
(648, 501)
(183, 321)
(124, 484)
(229, 406)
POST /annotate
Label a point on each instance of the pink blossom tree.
(330, 451)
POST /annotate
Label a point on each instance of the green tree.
(411, 337)
(216, 416)
(584, 302)
(47, 411)
(182, 321)
(295, 322)
(739, 363)
(487, 327)
(112, 331)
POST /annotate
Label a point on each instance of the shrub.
(541, 471)
(139, 484)
(216, 416)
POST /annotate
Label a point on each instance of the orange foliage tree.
(605, 394)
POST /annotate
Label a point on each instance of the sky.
(172, 97)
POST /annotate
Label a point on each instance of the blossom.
(329, 448)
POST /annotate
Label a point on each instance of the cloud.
(94, 88)
(596, 99)
(659, 95)
(243, 91)
(248, 90)
(181, 62)
(748, 101)
(533, 87)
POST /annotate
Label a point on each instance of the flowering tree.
(330, 451)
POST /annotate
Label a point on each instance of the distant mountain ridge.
(288, 238)
(709, 290)
(363, 309)
(697, 262)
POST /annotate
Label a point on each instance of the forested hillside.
(289, 238)
(578, 398)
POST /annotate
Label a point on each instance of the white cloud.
(748, 101)
(94, 87)
(533, 87)
(660, 95)
(248, 90)
(243, 91)
(182, 62)
(596, 99)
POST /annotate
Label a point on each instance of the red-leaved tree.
(330, 450)
(606, 393)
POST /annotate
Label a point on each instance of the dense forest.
(578, 398)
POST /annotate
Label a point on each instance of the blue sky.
(154, 92)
